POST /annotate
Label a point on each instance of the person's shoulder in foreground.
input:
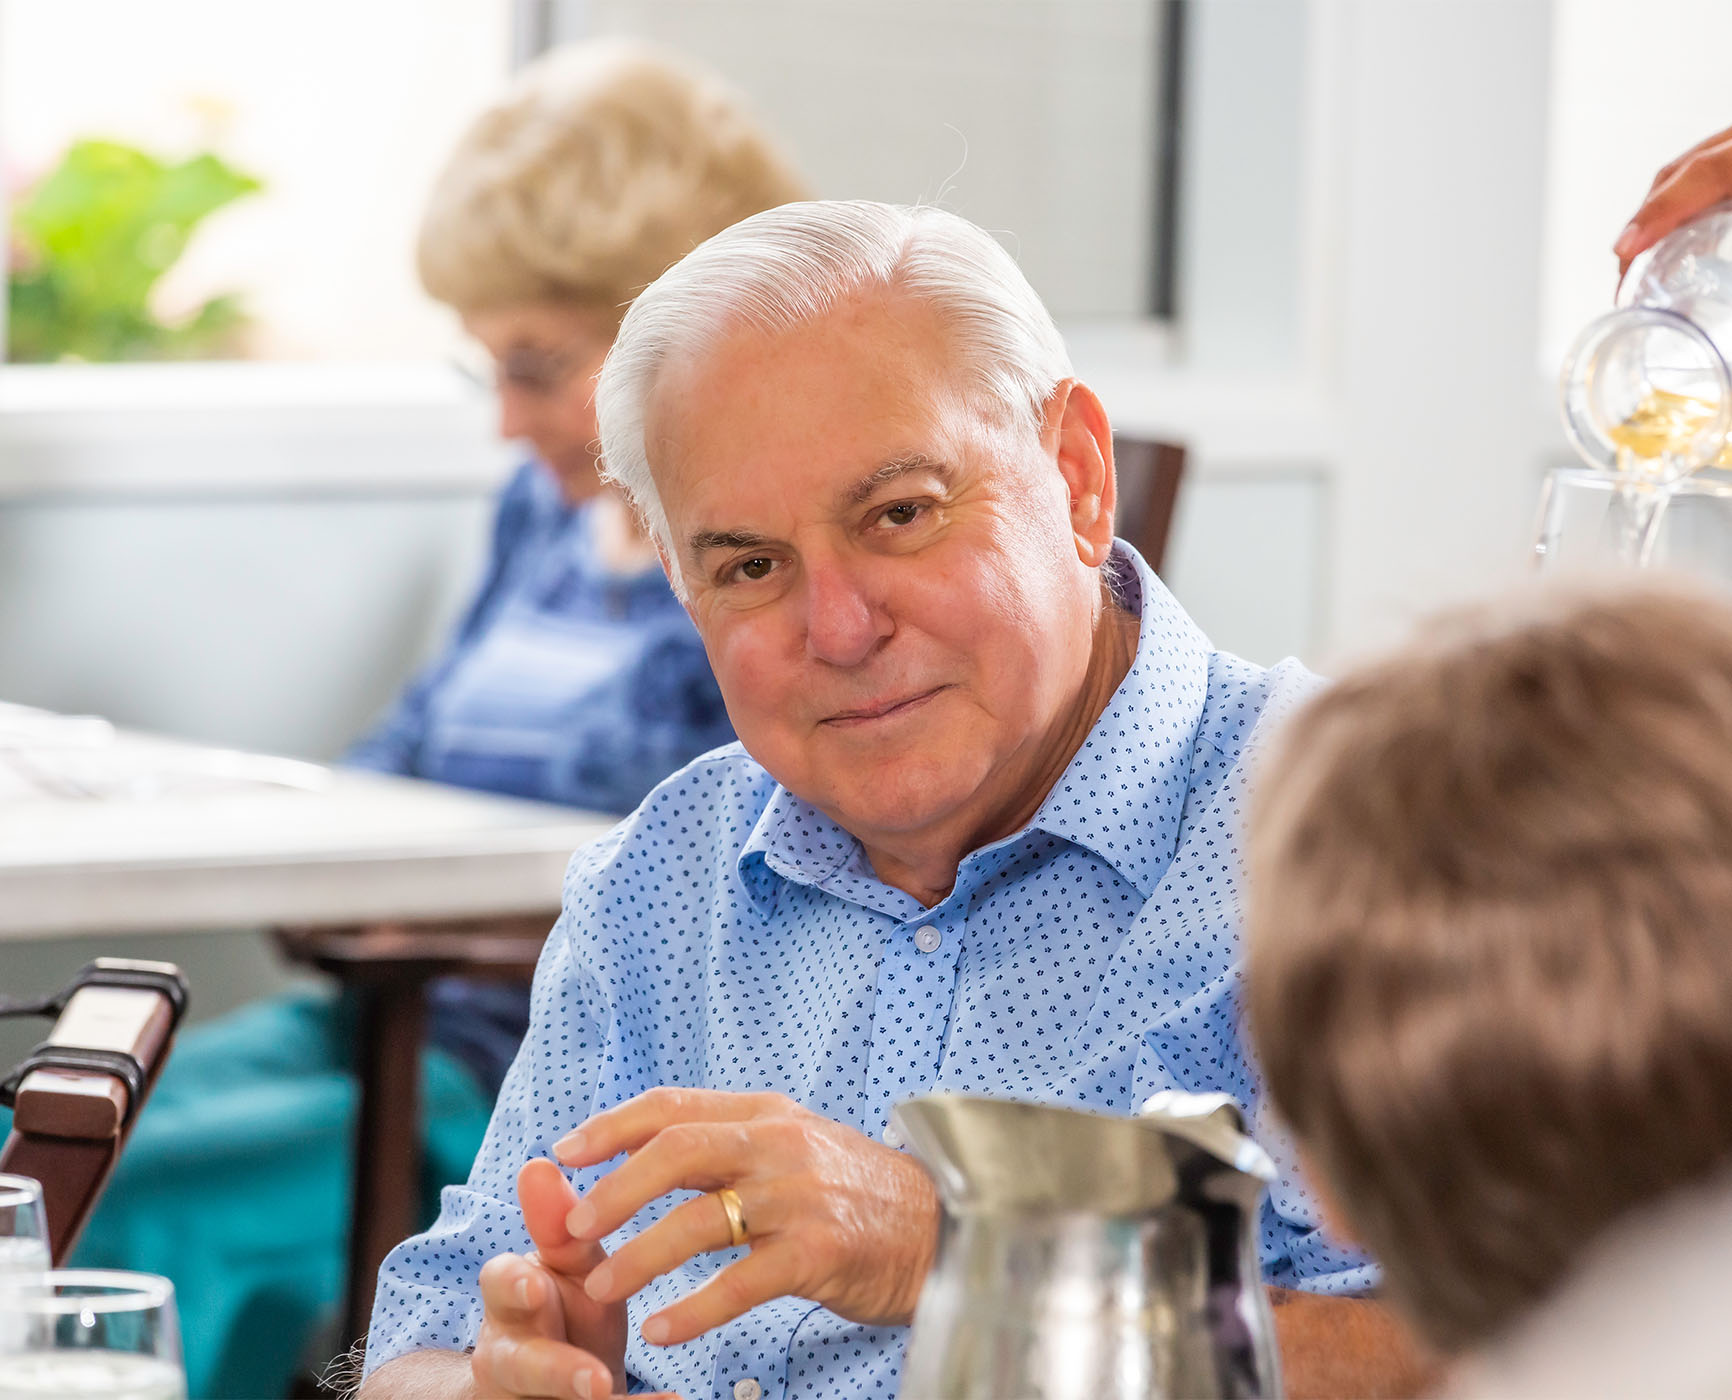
(1490, 875)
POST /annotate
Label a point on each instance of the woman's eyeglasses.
(524, 367)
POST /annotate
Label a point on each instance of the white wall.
(236, 553)
(1438, 230)
(1034, 118)
(1247, 151)
(267, 621)
(1632, 89)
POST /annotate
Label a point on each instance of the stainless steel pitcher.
(1088, 1256)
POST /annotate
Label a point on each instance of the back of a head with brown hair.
(1490, 940)
(603, 163)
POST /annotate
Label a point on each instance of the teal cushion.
(236, 1183)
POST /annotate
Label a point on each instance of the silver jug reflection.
(1088, 1256)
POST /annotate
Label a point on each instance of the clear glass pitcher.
(1086, 1257)
(1647, 394)
(1646, 390)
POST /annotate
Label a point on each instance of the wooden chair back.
(1149, 475)
(77, 1095)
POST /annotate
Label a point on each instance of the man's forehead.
(852, 387)
(868, 338)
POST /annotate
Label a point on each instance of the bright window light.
(121, 121)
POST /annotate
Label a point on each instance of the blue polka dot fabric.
(727, 935)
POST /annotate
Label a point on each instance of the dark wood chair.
(386, 967)
(1149, 475)
(76, 1096)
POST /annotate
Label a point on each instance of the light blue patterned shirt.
(728, 935)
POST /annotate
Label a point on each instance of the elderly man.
(979, 834)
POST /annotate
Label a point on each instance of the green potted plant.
(90, 241)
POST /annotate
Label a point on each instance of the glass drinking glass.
(23, 1227)
(1646, 390)
(75, 1333)
(1587, 519)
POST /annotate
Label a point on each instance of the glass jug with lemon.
(1647, 403)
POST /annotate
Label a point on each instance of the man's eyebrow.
(725, 539)
(864, 489)
(858, 494)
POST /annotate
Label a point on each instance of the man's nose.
(519, 413)
(844, 623)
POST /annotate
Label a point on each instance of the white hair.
(789, 266)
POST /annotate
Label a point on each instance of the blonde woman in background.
(574, 676)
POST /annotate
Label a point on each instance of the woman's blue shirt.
(563, 682)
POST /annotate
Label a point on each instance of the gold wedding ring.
(730, 1200)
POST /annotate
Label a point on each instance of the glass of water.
(75, 1333)
(23, 1227)
(1591, 522)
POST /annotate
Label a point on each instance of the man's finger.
(627, 1127)
(547, 1198)
(686, 1156)
(538, 1366)
(688, 1230)
(514, 1291)
(762, 1275)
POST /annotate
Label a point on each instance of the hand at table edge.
(833, 1216)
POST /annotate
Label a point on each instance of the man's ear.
(1081, 440)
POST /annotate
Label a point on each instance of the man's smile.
(881, 709)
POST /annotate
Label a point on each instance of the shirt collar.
(794, 840)
(1121, 796)
(1123, 793)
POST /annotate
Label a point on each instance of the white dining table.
(381, 881)
(112, 832)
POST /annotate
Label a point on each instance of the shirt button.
(928, 939)
(891, 1137)
(748, 1389)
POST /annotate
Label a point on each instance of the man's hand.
(1701, 177)
(831, 1215)
(541, 1334)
